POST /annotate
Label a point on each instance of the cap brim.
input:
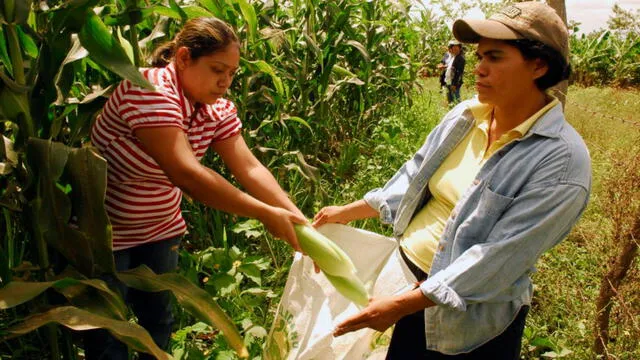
(472, 30)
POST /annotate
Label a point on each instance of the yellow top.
(453, 177)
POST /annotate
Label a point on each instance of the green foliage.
(239, 284)
(606, 58)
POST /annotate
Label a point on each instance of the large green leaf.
(102, 300)
(88, 110)
(14, 106)
(28, 44)
(174, 5)
(264, 67)
(4, 53)
(63, 78)
(196, 11)
(105, 49)
(86, 244)
(88, 173)
(19, 11)
(195, 300)
(249, 15)
(212, 6)
(77, 319)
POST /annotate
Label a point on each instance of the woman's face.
(503, 75)
(207, 78)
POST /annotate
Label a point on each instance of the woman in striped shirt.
(153, 141)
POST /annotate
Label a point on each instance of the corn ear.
(334, 263)
(327, 255)
(350, 287)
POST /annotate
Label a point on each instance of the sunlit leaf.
(77, 291)
(28, 45)
(131, 334)
(249, 15)
(106, 50)
(195, 300)
(263, 66)
(196, 11)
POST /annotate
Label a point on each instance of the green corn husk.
(334, 263)
(351, 288)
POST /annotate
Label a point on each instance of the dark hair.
(558, 68)
(202, 36)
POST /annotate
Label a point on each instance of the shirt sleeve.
(228, 123)
(387, 199)
(535, 221)
(142, 108)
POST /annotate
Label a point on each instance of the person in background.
(454, 72)
(442, 66)
(501, 180)
(153, 141)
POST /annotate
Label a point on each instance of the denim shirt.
(523, 201)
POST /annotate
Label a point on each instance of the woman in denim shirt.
(501, 180)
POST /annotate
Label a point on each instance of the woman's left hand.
(379, 315)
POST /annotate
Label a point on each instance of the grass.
(568, 281)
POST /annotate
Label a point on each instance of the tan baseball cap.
(526, 20)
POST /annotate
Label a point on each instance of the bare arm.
(384, 312)
(169, 147)
(357, 210)
(253, 176)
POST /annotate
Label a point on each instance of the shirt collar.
(482, 116)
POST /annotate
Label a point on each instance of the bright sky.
(592, 14)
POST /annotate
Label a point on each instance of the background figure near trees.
(442, 66)
(454, 71)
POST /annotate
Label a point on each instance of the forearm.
(358, 210)
(413, 301)
(260, 183)
(213, 190)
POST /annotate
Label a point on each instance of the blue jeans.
(453, 96)
(153, 310)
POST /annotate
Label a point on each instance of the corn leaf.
(106, 303)
(106, 50)
(195, 300)
(133, 335)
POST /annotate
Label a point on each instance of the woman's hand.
(384, 312)
(279, 222)
(330, 214)
(379, 315)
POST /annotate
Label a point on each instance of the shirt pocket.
(476, 227)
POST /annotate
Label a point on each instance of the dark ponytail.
(162, 56)
(202, 36)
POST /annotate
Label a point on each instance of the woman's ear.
(540, 68)
(183, 57)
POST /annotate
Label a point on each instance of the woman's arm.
(169, 147)
(254, 176)
(357, 210)
(384, 312)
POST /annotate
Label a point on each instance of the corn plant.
(57, 191)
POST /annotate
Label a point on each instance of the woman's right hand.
(330, 214)
(279, 222)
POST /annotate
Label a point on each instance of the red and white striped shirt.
(143, 205)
